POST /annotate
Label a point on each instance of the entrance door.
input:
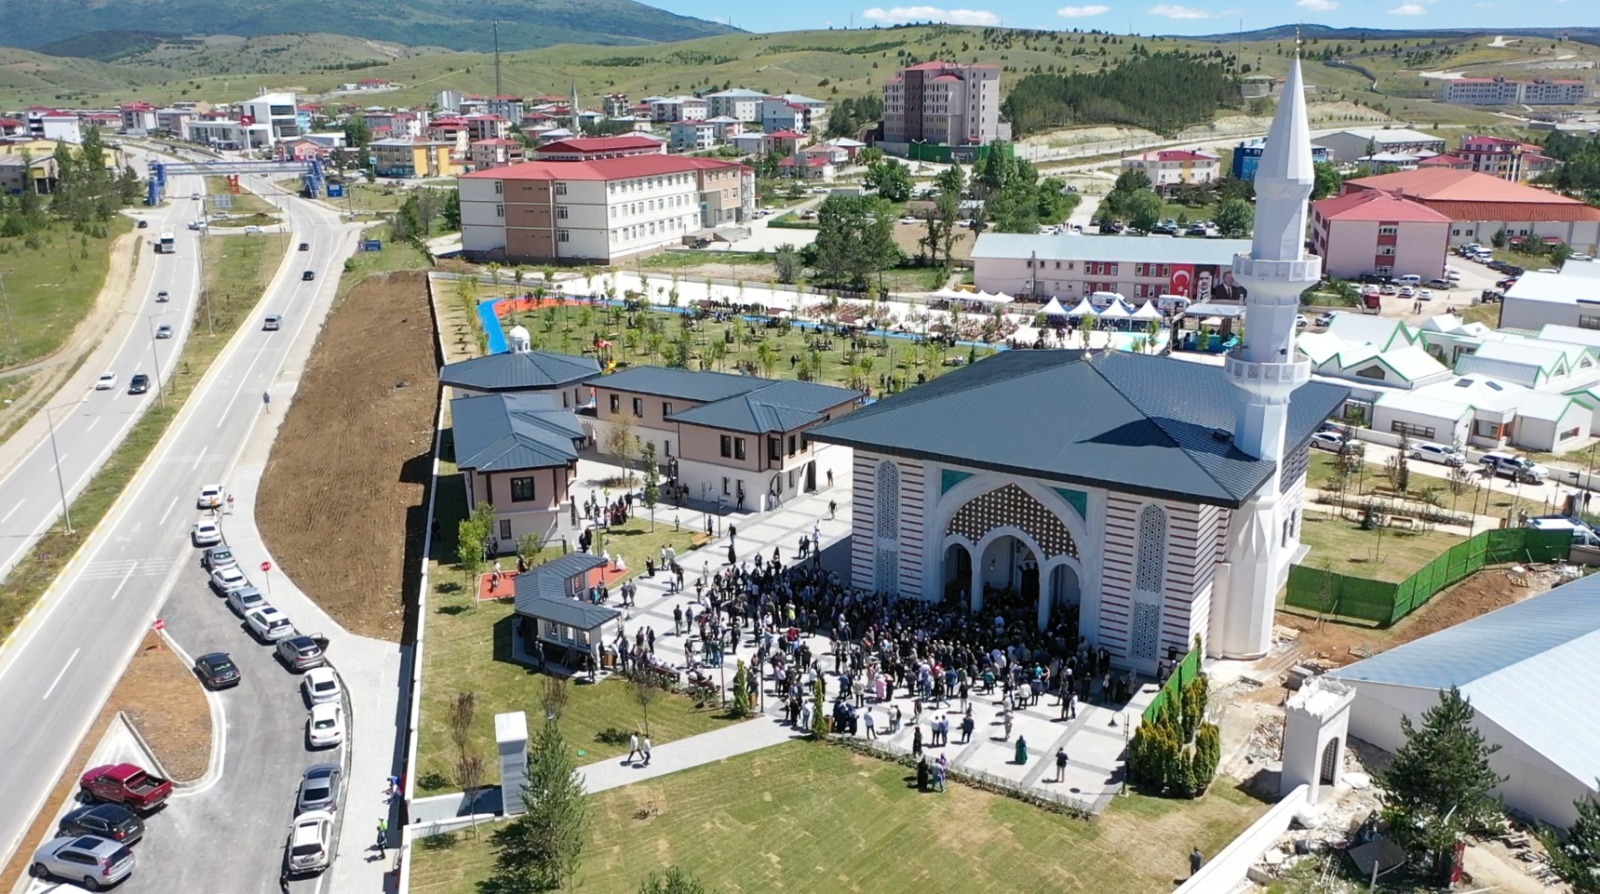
(1029, 583)
(1330, 757)
(811, 477)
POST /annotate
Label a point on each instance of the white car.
(106, 382)
(246, 600)
(269, 624)
(206, 534)
(1424, 295)
(325, 725)
(321, 685)
(226, 580)
(310, 837)
(908, 219)
(1437, 453)
(1332, 440)
(210, 497)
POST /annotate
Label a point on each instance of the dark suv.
(112, 821)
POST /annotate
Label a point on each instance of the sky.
(1148, 17)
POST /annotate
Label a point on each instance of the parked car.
(1388, 288)
(272, 323)
(321, 684)
(139, 384)
(226, 580)
(310, 837)
(1324, 319)
(301, 652)
(206, 534)
(217, 670)
(270, 624)
(210, 497)
(112, 821)
(252, 230)
(1335, 441)
(246, 600)
(325, 725)
(319, 789)
(1517, 468)
(125, 784)
(218, 557)
(142, 225)
(164, 330)
(1439, 282)
(1408, 292)
(1301, 321)
(1437, 453)
(106, 382)
(88, 860)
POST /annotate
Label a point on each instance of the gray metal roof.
(503, 432)
(1133, 423)
(519, 371)
(783, 405)
(1524, 667)
(542, 592)
(1118, 249)
(664, 381)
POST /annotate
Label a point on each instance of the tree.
(785, 262)
(462, 708)
(1143, 209)
(646, 691)
(855, 240)
(1577, 859)
(621, 441)
(652, 481)
(740, 706)
(819, 714)
(357, 135)
(553, 698)
(474, 537)
(1131, 180)
(1438, 785)
(539, 850)
(673, 881)
(890, 178)
(1328, 181)
(1235, 218)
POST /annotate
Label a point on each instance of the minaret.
(577, 119)
(1265, 371)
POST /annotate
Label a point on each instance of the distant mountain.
(1586, 34)
(524, 24)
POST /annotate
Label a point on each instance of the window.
(1385, 250)
(638, 407)
(727, 450)
(1389, 230)
(562, 236)
(616, 403)
(1569, 434)
(521, 490)
(561, 212)
(666, 408)
(793, 439)
(1383, 270)
(499, 187)
(1151, 573)
(775, 449)
(500, 211)
(1588, 322)
(505, 529)
(725, 486)
(1485, 429)
(738, 448)
(551, 629)
(561, 188)
(1414, 432)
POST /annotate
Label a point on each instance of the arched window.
(1152, 573)
(888, 499)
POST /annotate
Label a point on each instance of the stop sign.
(159, 624)
(266, 566)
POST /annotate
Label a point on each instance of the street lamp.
(66, 510)
(150, 324)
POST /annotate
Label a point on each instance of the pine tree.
(819, 713)
(741, 691)
(673, 881)
(1577, 859)
(1439, 783)
(539, 850)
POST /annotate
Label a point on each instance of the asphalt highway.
(57, 670)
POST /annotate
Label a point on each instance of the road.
(61, 665)
(89, 425)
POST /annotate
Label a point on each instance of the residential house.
(808, 167)
(413, 157)
(519, 455)
(739, 440)
(724, 127)
(1373, 231)
(1170, 167)
(692, 136)
(486, 154)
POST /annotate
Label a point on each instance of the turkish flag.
(1182, 282)
(247, 120)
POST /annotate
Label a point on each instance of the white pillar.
(1316, 717)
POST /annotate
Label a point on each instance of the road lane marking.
(57, 681)
(197, 461)
(125, 578)
(170, 506)
(92, 423)
(60, 461)
(13, 511)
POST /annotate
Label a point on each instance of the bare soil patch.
(343, 496)
(167, 703)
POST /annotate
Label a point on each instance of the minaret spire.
(577, 119)
(1285, 176)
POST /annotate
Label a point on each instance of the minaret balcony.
(1303, 272)
(1260, 377)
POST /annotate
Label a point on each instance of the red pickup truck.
(125, 784)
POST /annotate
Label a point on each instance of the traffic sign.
(266, 566)
(159, 624)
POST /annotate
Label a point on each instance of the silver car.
(301, 653)
(245, 600)
(86, 860)
(310, 838)
(319, 789)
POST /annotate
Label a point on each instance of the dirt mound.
(343, 497)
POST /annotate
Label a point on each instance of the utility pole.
(5, 317)
(496, 28)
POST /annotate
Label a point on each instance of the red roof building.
(596, 148)
(1374, 231)
(1479, 205)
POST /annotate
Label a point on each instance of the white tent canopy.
(1147, 311)
(986, 298)
(949, 294)
(1053, 309)
(1084, 309)
(1116, 309)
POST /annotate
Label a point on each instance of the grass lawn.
(635, 541)
(469, 650)
(240, 204)
(804, 817)
(51, 286)
(1473, 500)
(1487, 314)
(568, 328)
(1380, 554)
(395, 256)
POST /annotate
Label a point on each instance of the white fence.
(1224, 872)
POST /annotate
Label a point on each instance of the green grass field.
(1380, 554)
(394, 257)
(809, 817)
(51, 288)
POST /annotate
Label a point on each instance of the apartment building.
(780, 114)
(596, 148)
(692, 136)
(597, 211)
(1373, 231)
(53, 124)
(738, 103)
(665, 109)
(275, 117)
(1247, 156)
(944, 103)
(1502, 91)
(487, 154)
(138, 118)
(1170, 167)
(1140, 268)
(508, 107)
(412, 157)
(1552, 91)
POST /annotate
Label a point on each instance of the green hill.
(460, 26)
(27, 77)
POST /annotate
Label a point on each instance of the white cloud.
(1318, 5)
(1078, 12)
(1179, 12)
(1408, 9)
(900, 15)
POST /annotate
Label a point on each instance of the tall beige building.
(943, 103)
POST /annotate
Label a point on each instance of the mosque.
(1158, 499)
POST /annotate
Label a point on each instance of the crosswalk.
(123, 568)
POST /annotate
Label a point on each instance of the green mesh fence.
(1187, 670)
(1384, 603)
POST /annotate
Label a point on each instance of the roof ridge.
(1163, 429)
